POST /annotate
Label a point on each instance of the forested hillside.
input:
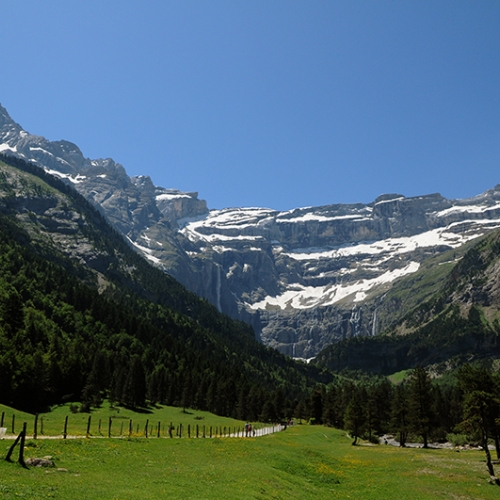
(83, 317)
(457, 322)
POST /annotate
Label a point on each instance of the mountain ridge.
(455, 320)
(79, 309)
(302, 278)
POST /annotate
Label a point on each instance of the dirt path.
(264, 431)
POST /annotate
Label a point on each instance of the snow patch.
(311, 216)
(306, 297)
(41, 150)
(394, 246)
(171, 196)
(6, 147)
(146, 251)
(75, 180)
(470, 209)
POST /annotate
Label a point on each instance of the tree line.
(463, 408)
(62, 340)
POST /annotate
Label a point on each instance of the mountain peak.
(304, 278)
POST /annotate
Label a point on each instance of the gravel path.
(264, 431)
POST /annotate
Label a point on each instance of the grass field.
(303, 462)
(52, 423)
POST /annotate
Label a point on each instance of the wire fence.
(116, 427)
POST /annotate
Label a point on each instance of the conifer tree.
(316, 406)
(134, 391)
(400, 414)
(355, 417)
(420, 404)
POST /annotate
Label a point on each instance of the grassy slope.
(303, 462)
(412, 290)
(53, 422)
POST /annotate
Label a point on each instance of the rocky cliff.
(303, 278)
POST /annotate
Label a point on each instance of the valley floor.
(303, 462)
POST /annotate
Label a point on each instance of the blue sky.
(279, 104)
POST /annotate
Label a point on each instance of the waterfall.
(218, 287)
(374, 325)
(354, 320)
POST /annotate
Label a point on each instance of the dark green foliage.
(481, 409)
(143, 338)
(355, 417)
(455, 321)
(400, 414)
(448, 336)
(420, 416)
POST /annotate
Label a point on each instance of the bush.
(457, 439)
(74, 408)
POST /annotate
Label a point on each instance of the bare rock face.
(303, 278)
(318, 275)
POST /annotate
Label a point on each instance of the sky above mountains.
(277, 104)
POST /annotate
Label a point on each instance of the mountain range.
(83, 316)
(305, 278)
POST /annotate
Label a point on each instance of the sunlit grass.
(304, 462)
(53, 423)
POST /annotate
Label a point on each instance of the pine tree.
(355, 417)
(480, 410)
(420, 404)
(316, 406)
(134, 391)
(400, 414)
(329, 407)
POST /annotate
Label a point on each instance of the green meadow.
(303, 462)
(115, 421)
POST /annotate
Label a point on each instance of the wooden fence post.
(210, 431)
(99, 427)
(170, 429)
(197, 428)
(21, 449)
(159, 426)
(130, 428)
(13, 423)
(35, 427)
(65, 430)
(11, 449)
(146, 428)
(109, 426)
(1, 421)
(88, 426)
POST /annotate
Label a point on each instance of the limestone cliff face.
(303, 278)
(144, 213)
(52, 221)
